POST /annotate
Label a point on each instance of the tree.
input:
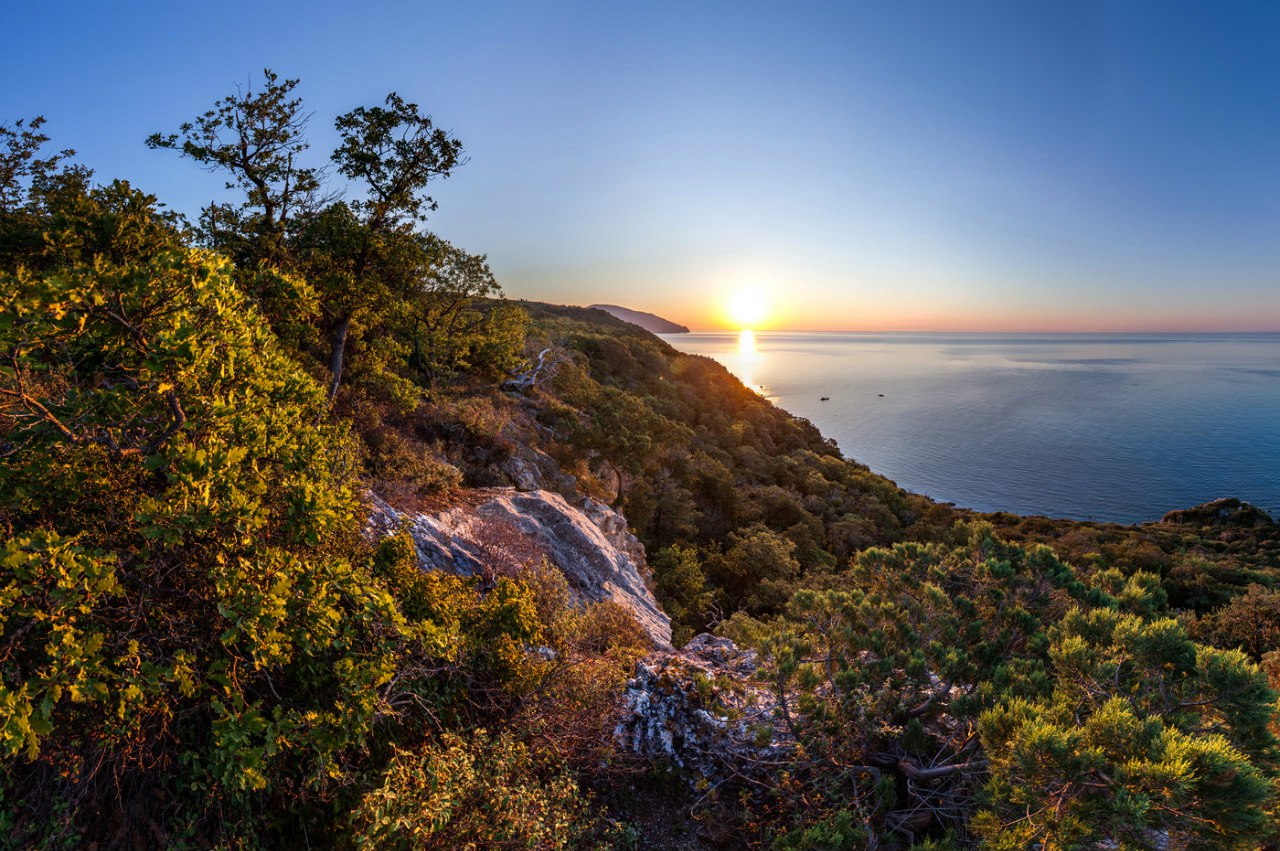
(447, 323)
(182, 610)
(257, 137)
(682, 590)
(753, 567)
(26, 181)
(20, 165)
(1147, 739)
(935, 676)
(365, 259)
(393, 152)
(1251, 622)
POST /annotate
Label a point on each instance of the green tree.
(257, 137)
(28, 181)
(682, 590)
(392, 152)
(1097, 718)
(451, 331)
(21, 166)
(1251, 622)
(753, 569)
(1147, 738)
(183, 615)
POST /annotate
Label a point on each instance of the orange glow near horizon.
(769, 300)
(730, 315)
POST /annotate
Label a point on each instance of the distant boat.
(825, 399)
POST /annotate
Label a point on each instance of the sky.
(1084, 166)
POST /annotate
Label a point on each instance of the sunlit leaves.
(52, 644)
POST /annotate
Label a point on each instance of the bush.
(481, 792)
(1146, 738)
(1099, 719)
(185, 617)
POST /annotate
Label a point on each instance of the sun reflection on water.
(748, 358)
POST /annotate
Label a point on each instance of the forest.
(201, 647)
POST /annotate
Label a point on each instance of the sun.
(748, 308)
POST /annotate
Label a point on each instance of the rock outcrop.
(502, 531)
(700, 709)
(1227, 513)
(697, 708)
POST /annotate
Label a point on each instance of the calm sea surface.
(1108, 427)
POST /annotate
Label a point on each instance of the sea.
(1106, 427)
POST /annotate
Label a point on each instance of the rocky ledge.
(700, 710)
(1227, 513)
(502, 531)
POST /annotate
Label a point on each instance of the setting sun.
(747, 308)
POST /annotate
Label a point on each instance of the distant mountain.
(647, 321)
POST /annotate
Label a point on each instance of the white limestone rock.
(502, 531)
(700, 710)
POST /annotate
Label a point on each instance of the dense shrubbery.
(196, 645)
(198, 648)
(991, 688)
(474, 793)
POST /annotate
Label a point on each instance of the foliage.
(1145, 735)
(22, 169)
(164, 463)
(1250, 621)
(376, 282)
(571, 698)
(682, 590)
(480, 792)
(939, 675)
(395, 151)
(257, 137)
(455, 331)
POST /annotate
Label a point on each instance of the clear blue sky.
(917, 165)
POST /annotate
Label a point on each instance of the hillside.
(313, 539)
(647, 321)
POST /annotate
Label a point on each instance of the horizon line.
(965, 331)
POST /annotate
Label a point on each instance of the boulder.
(700, 710)
(502, 532)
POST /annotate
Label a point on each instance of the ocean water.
(1087, 426)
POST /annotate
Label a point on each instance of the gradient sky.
(897, 165)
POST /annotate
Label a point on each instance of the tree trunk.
(339, 352)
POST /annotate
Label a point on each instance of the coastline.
(1099, 428)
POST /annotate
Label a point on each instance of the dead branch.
(536, 374)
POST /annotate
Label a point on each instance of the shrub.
(184, 614)
(479, 792)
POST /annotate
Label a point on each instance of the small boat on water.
(825, 399)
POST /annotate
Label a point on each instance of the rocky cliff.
(697, 708)
(502, 531)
